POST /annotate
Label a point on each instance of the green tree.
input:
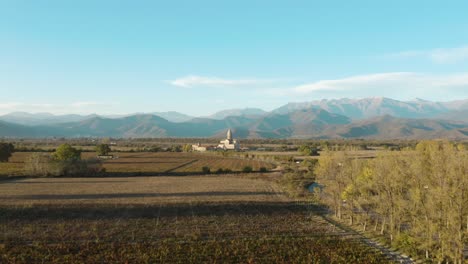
(66, 152)
(6, 150)
(103, 149)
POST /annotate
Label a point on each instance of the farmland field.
(178, 219)
(150, 163)
(137, 190)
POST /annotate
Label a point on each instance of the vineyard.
(190, 219)
(166, 162)
(149, 163)
(137, 190)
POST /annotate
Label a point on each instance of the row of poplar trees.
(416, 199)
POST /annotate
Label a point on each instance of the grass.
(189, 219)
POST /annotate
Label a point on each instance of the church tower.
(229, 143)
(229, 136)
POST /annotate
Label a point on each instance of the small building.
(229, 143)
(199, 147)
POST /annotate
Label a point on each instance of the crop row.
(259, 250)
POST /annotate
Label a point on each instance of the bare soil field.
(178, 219)
(138, 190)
(150, 163)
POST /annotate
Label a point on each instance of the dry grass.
(137, 190)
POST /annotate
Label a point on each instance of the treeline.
(417, 200)
(280, 145)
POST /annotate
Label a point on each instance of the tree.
(6, 150)
(65, 152)
(103, 149)
(175, 148)
(187, 148)
(419, 198)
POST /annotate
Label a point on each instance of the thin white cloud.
(378, 80)
(450, 55)
(75, 107)
(441, 55)
(195, 81)
(393, 84)
(91, 103)
(9, 105)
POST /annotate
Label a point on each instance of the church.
(229, 143)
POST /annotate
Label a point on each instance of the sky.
(198, 57)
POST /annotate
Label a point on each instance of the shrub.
(103, 149)
(263, 169)
(44, 165)
(308, 150)
(6, 150)
(219, 171)
(206, 170)
(247, 169)
(227, 170)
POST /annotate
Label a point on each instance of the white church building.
(229, 143)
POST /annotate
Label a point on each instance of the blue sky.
(197, 57)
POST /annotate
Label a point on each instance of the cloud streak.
(90, 104)
(440, 56)
(75, 107)
(381, 80)
(392, 84)
(203, 81)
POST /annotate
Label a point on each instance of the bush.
(103, 149)
(6, 150)
(308, 150)
(43, 165)
(227, 171)
(206, 170)
(263, 169)
(247, 169)
(406, 242)
(219, 171)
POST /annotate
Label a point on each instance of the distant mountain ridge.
(352, 108)
(377, 118)
(307, 123)
(379, 106)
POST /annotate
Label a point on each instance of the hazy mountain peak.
(174, 116)
(249, 111)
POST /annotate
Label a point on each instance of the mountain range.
(377, 118)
